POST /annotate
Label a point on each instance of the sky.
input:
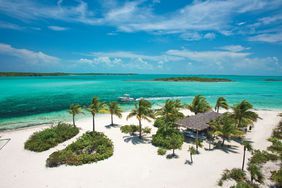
(235, 37)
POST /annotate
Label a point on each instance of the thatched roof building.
(198, 122)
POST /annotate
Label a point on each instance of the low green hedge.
(50, 137)
(133, 129)
(90, 147)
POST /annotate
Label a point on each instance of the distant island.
(192, 79)
(272, 80)
(10, 74)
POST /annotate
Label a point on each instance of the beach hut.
(199, 122)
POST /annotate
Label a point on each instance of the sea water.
(28, 101)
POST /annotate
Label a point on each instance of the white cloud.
(130, 16)
(28, 56)
(57, 28)
(268, 37)
(229, 59)
(6, 25)
(234, 48)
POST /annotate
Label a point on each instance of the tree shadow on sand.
(112, 126)
(134, 139)
(188, 162)
(227, 148)
(172, 156)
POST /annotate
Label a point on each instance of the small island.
(192, 79)
(13, 74)
(272, 80)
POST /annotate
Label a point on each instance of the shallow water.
(31, 100)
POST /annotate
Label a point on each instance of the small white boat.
(126, 98)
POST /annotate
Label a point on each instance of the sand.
(134, 163)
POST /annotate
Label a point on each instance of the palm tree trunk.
(191, 158)
(140, 129)
(217, 109)
(197, 138)
(112, 119)
(93, 116)
(73, 121)
(173, 154)
(243, 164)
(222, 144)
(209, 145)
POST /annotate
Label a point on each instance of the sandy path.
(134, 164)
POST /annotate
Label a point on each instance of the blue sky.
(146, 36)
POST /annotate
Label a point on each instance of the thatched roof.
(199, 121)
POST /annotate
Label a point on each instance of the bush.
(161, 151)
(50, 137)
(159, 122)
(146, 130)
(260, 157)
(129, 129)
(236, 174)
(132, 129)
(90, 147)
(277, 177)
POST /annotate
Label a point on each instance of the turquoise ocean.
(31, 101)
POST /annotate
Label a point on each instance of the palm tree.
(192, 151)
(114, 110)
(198, 143)
(224, 126)
(221, 103)
(170, 111)
(95, 107)
(243, 115)
(142, 110)
(74, 110)
(210, 137)
(199, 105)
(247, 146)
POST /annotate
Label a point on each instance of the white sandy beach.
(133, 164)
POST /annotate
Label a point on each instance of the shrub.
(90, 147)
(50, 137)
(161, 151)
(277, 177)
(236, 174)
(260, 157)
(159, 122)
(146, 130)
(129, 129)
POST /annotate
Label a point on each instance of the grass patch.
(50, 137)
(90, 147)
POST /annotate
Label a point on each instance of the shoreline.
(21, 167)
(82, 118)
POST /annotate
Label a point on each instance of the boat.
(126, 98)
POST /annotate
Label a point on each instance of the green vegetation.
(50, 137)
(235, 174)
(170, 112)
(169, 138)
(58, 74)
(199, 105)
(114, 109)
(132, 129)
(247, 146)
(192, 152)
(277, 177)
(243, 115)
(90, 147)
(256, 162)
(192, 79)
(96, 107)
(161, 151)
(221, 103)
(74, 110)
(142, 110)
(225, 127)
